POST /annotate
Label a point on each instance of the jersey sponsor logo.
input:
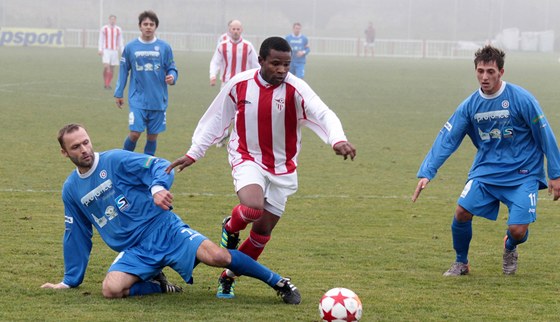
(97, 192)
(508, 133)
(495, 134)
(122, 203)
(110, 212)
(26, 37)
(149, 54)
(491, 116)
(483, 135)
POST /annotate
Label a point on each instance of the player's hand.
(301, 53)
(163, 199)
(213, 81)
(119, 101)
(181, 163)
(170, 80)
(421, 186)
(345, 149)
(100, 52)
(554, 188)
(58, 286)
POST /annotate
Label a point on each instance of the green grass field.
(351, 224)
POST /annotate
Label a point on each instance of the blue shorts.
(172, 244)
(483, 200)
(298, 69)
(154, 121)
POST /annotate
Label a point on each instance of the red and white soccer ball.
(340, 305)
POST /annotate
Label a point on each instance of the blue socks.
(129, 145)
(512, 243)
(242, 264)
(150, 147)
(144, 288)
(462, 235)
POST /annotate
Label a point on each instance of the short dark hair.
(488, 54)
(66, 129)
(276, 43)
(148, 14)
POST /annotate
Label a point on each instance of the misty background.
(449, 20)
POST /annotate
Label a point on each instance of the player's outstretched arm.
(58, 286)
(421, 186)
(181, 163)
(554, 188)
(345, 149)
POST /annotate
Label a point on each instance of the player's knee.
(462, 215)
(111, 290)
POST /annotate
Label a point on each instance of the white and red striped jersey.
(110, 37)
(231, 58)
(267, 121)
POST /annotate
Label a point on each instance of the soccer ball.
(339, 305)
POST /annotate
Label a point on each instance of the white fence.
(319, 45)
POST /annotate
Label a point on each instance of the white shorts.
(276, 188)
(110, 57)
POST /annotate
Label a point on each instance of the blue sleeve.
(76, 243)
(147, 169)
(171, 69)
(124, 69)
(306, 46)
(543, 135)
(447, 142)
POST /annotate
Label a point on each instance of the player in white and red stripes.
(110, 46)
(232, 55)
(268, 107)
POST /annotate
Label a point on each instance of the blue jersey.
(148, 64)
(298, 43)
(114, 197)
(510, 132)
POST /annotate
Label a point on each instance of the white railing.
(324, 46)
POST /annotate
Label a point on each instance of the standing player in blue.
(507, 126)
(300, 50)
(149, 61)
(125, 196)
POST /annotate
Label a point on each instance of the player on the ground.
(151, 66)
(126, 197)
(268, 106)
(512, 136)
(109, 47)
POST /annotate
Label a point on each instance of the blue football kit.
(147, 63)
(298, 43)
(115, 198)
(512, 136)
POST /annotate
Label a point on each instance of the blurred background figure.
(300, 49)
(232, 56)
(369, 43)
(110, 46)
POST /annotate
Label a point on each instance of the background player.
(232, 56)
(109, 48)
(151, 66)
(126, 197)
(512, 136)
(268, 106)
(300, 50)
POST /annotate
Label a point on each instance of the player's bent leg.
(117, 284)
(515, 235)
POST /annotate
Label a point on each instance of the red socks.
(241, 216)
(254, 245)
